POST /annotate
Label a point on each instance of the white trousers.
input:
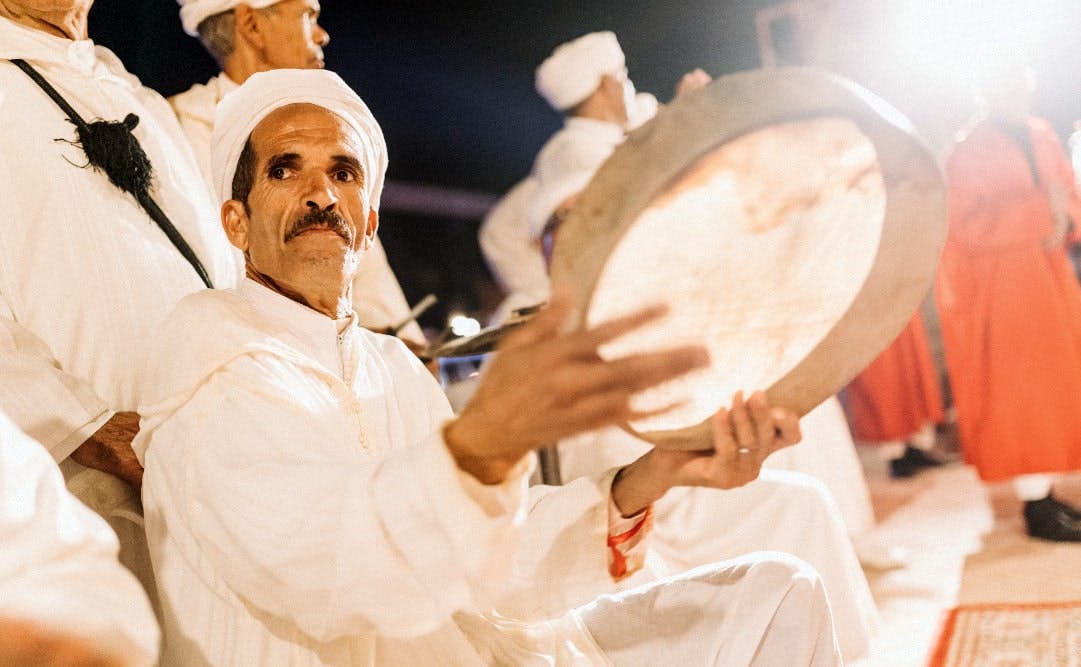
(761, 610)
(780, 511)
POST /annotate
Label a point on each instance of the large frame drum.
(792, 221)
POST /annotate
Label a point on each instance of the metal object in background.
(548, 460)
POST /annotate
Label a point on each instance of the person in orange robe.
(1010, 305)
(896, 402)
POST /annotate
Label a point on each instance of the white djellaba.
(303, 508)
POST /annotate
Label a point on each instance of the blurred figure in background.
(586, 81)
(896, 402)
(65, 600)
(1008, 300)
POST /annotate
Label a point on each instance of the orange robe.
(1010, 308)
(898, 393)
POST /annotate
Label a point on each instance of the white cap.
(574, 69)
(243, 109)
(193, 12)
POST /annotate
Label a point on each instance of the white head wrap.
(192, 12)
(574, 69)
(244, 108)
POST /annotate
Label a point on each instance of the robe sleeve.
(299, 521)
(58, 563)
(55, 408)
(563, 561)
(511, 253)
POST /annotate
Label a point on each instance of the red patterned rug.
(1010, 635)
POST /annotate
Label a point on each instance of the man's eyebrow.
(283, 160)
(348, 160)
(352, 163)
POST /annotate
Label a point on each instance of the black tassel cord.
(110, 147)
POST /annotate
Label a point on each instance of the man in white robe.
(63, 594)
(508, 237)
(85, 275)
(512, 253)
(311, 499)
(257, 36)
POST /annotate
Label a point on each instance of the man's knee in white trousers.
(762, 609)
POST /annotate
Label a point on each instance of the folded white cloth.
(574, 69)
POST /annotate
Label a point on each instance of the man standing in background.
(87, 273)
(257, 36)
(1009, 303)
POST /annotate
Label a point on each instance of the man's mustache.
(328, 219)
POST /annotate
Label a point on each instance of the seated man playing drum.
(311, 498)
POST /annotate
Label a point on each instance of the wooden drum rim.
(652, 157)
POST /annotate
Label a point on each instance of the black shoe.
(1046, 520)
(913, 461)
(1070, 510)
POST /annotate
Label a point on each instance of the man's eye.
(277, 173)
(344, 176)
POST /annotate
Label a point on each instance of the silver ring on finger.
(743, 450)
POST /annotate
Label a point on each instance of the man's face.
(61, 17)
(294, 38)
(45, 8)
(619, 94)
(307, 220)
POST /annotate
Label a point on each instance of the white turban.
(574, 69)
(243, 109)
(193, 12)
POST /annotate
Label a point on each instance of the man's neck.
(241, 64)
(333, 304)
(70, 24)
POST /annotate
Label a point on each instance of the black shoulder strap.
(141, 195)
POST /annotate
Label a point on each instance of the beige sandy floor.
(966, 544)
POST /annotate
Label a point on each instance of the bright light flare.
(463, 325)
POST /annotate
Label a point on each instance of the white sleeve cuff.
(65, 447)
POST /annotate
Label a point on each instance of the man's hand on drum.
(744, 435)
(546, 385)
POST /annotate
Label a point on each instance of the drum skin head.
(791, 220)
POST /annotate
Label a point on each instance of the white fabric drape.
(85, 275)
(302, 509)
(512, 254)
(58, 565)
(781, 511)
(828, 454)
(86, 278)
(280, 493)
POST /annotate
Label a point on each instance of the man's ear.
(371, 228)
(234, 219)
(246, 26)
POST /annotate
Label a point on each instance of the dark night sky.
(452, 83)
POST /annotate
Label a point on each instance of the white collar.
(82, 55)
(222, 85)
(310, 330)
